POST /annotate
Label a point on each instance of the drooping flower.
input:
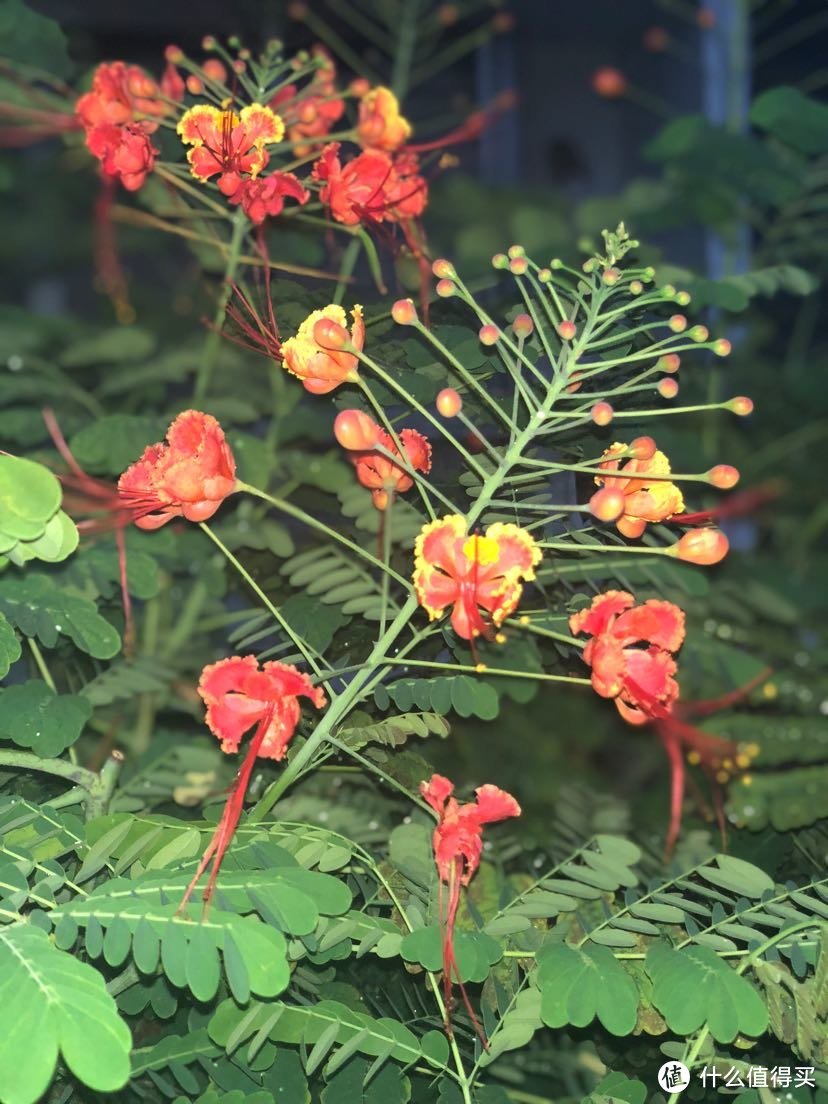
(641, 682)
(125, 152)
(229, 144)
(380, 125)
(189, 476)
(646, 498)
(310, 113)
(633, 676)
(472, 572)
(458, 845)
(121, 94)
(238, 695)
(363, 438)
(323, 368)
(266, 195)
(371, 188)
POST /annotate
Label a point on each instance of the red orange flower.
(238, 694)
(646, 498)
(266, 196)
(121, 94)
(633, 676)
(371, 188)
(321, 369)
(227, 144)
(189, 477)
(458, 845)
(362, 437)
(472, 572)
(125, 152)
(380, 125)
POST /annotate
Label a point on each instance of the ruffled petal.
(494, 804)
(220, 678)
(437, 791)
(597, 617)
(518, 551)
(656, 622)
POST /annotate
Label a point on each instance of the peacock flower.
(380, 125)
(471, 573)
(189, 476)
(121, 94)
(458, 845)
(125, 152)
(238, 695)
(370, 188)
(648, 495)
(310, 114)
(265, 197)
(633, 676)
(229, 144)
(322, 368)
(363, 439)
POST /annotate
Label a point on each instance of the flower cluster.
(377, 457)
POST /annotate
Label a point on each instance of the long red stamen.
(738, 505)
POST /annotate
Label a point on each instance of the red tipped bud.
(671, 362)
(607, 504)
(636, 287)
(195, 85)
(523, 325)
(355, 431)
(575, 384)
(602, 413)
(667, 387)
(330, 335)
(722, 347)
(678, 323)
(701, 546)
(643, 448)
(214, 70)
(500, 260)
(404, 312)
(208, 42)
(489, 334)
(699, 333)
(518, 266)
(359, 86)
(611, 276)
(723, 476)
(449, 403)
(443, 269)
(567, 329)
(609, 82)
(656, 39)
(741, 405)
(174, 55)
(544, 275)
(239, 66)
(445, 288)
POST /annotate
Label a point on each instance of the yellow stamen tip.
(480, 668)
(693, 758)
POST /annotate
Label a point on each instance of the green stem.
(346, 268)
(404, 53)
(103, 786)
(26, 760)
(45, 674)
(213, 341)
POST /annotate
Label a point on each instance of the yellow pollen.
(722, 776)
(751, 750)
(693, 758)
(742, 761)
(524, 620)
(747, 780)
(728, 764)
(500, 638)
(482, 549)
(770, 690)
(480, 668)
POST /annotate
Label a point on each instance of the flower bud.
(723, 476)
(523, 325)
(609, 82)
(698, 333)
(668, 291)
(602, 413)
(449, 403)
(741, 405)
(667, 387)
(208, 42)
(447, 14)
(636, 287)
(683, 298)
(195, 85)
(489, 334)
(656, 39)
(214, 70)
(297, 10)
(589, 265)
(516, 251)
(643, 448)
(544, 275)
(701, 546)
(556, 262)
(359, 87)
(611, 276)
(678, 323)
(239, 66)
(174, 55)
(567, 329)
(500, 260)
(404, 312)
(330, 335)
(518, 266)
(443, 269)
(670, 362)
(722, 347)
(607, 504)
(445, 288)
(503, 22)
(575, 383)
(355, 430)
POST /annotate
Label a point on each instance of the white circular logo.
(674, 1077)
